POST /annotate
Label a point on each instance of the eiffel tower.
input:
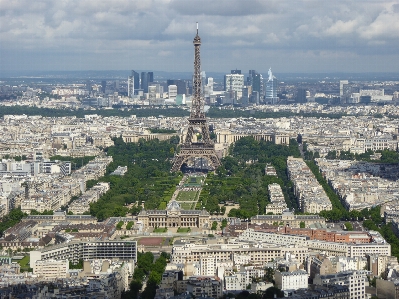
(203, 148)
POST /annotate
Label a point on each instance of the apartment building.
(310, 194)
(333, 248)
(239, 280)
(288, 218)
(73, 251)
(51, 269)
(277, 201)
(355, 280)
(291, 280)
(254, 253)
(202, 286)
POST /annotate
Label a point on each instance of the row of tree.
(216, 112)
(139, 111)
(241, 177)
(148, 178)
(374, 221)
(76, 163)
(9, 220)
(147, 270)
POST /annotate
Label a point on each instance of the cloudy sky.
(287, 35)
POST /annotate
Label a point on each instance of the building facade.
(174, 216)
(74, 251)
(288, 219)
(51, 269)
(241, 253)
(291, 280)
(228, 137)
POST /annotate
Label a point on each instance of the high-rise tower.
(204, 147)
(133, 83)
(146, 79)
(271, 89)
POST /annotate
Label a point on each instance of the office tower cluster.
(142, 87)
(139, 82)
(357, 93)
(252, 91)
(235, 89)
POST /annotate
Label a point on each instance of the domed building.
(174, 216)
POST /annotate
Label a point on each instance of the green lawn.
(160, 230)
(187, 206)
(187, 196)
(184, 230)
(194, 181)
(24, 263)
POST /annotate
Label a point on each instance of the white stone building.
(291, 280)
(51, 269)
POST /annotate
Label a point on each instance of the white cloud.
(386, 25)
(253, 30)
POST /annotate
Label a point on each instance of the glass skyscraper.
(271, 88)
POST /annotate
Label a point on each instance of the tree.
(155, 277)
(224, 223)
(223, 210)
(79, 265)
(346, 155)
(354, 214)
(331, 155)
(119, 225)
(348, 226)
(135, 288)
(214, 225)
(138, 274)
(150, 290)
(269, 274)
(272, 292)
(13, 217)
(165, 255)
(129, 225)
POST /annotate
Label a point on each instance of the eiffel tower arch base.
(187, 153)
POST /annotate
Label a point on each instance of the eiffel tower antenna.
(204, 148)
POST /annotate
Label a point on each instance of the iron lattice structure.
(204, 148)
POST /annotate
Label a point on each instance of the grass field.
(187, 205)
(160, 230)
(187, 196)
(24, 263)
(184, 230)
(194, 181)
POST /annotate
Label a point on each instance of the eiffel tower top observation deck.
(204, 148)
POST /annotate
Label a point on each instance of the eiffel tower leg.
(189, 136)
(205, 132)
(178, 163)
(214, 161)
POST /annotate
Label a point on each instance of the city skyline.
(301, 36)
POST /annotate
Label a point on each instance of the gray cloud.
(230, 8)
(306, 35)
